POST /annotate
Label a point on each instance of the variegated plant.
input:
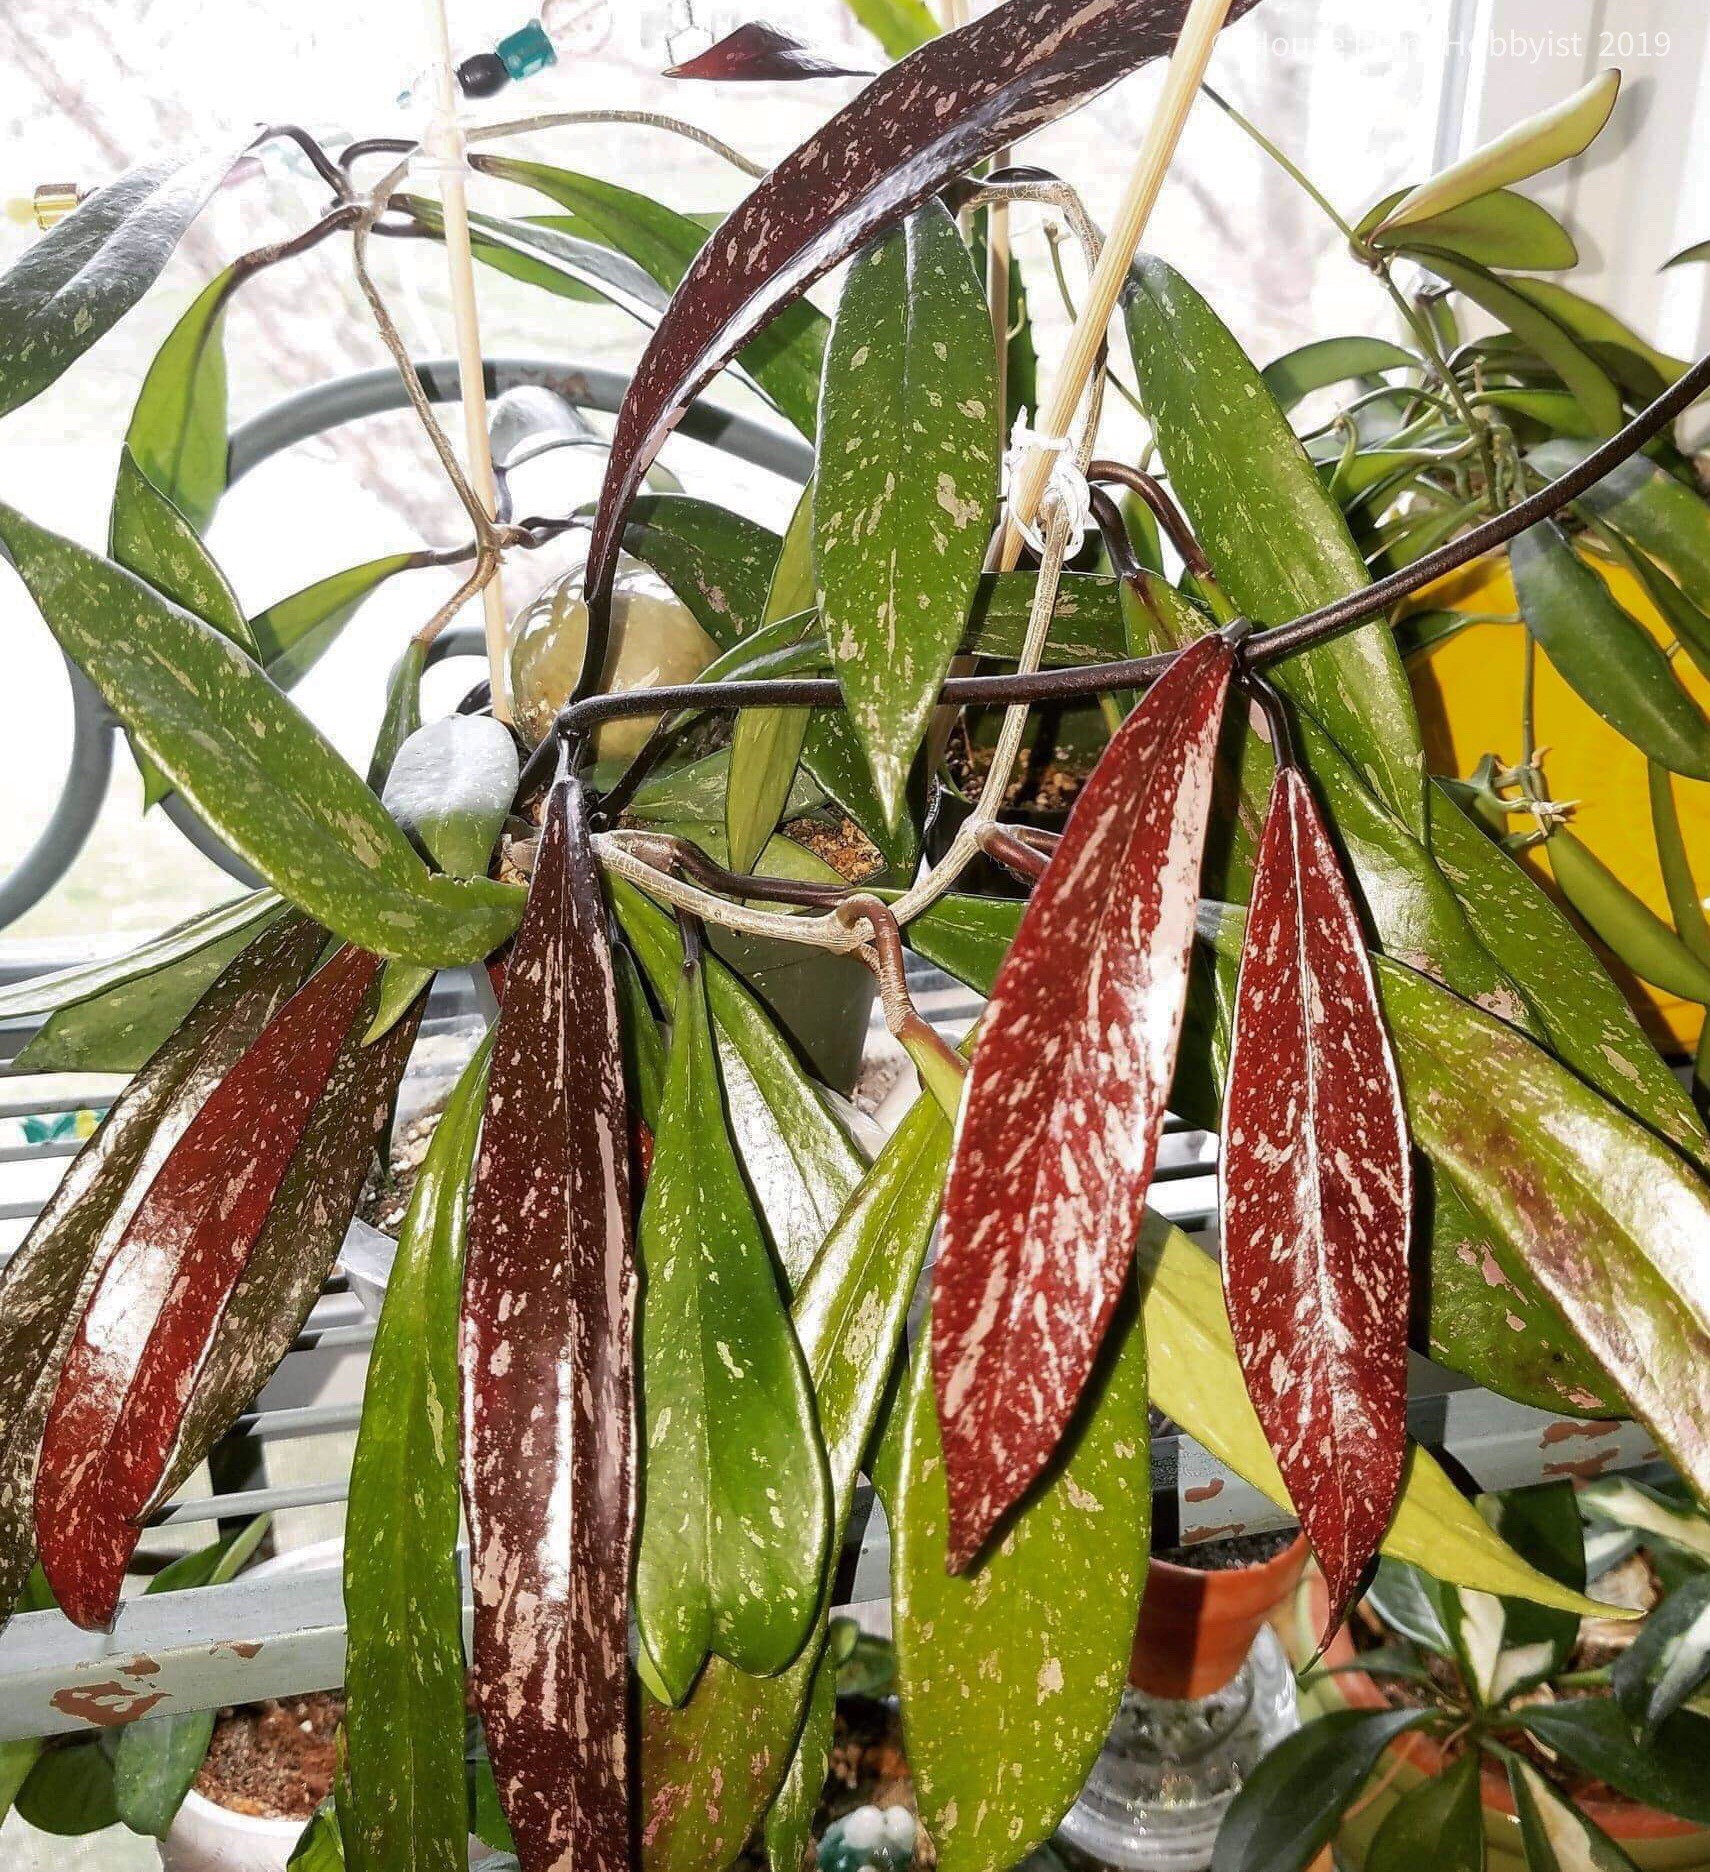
(648, 1318)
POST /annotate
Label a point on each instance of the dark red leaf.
(145, 1334)
(548, 1376)
(47, 1281)
(1065, 1101)
(300, 1239)
(925, 120)
(757, 51)
(1317, 1196)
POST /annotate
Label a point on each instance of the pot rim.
(1629, 1820)
(1257, 1572)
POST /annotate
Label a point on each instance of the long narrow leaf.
(1317, 1197)
(404, 1720)
(548, 1387)
(50, 1276)
(145, 1334)
(1065, 1102)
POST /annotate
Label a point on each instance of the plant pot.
(206, 1837)
(1196, 1628)
(1656, 1842)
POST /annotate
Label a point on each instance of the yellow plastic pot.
(1468, 690)
(1655, 1842)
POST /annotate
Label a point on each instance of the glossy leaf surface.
(1290, 1806)
(50, 1276)
(304, 1230)
(729, 1425)
(789, 1819)
(1648, 507)
(1589, 1023)
(1608, 658)
(1276, 539)
(1666, 1770)
(1065, 1102)
(718, 562)
(799, 1158)
(956, 100)
(150, 537)
(849, 1315)
(1609, 1221)
(144, 1337)
(1592, 386)
(405, 1808)
(1438, 1824)
(1501, 229)
(1009, 1677)
(549, 1407)
(177, 433)
(251, 764)
(1538, 143)
(784, 360)
(755, 52)
(76, 282)
(908, 477)
(1317, 1193)
(1554, 1833)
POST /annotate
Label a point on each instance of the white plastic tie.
(441, 152)
(1066, 490)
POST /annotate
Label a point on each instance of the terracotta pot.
(1656, 1842)
(1196, 1628)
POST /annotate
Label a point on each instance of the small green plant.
(1503, 1689)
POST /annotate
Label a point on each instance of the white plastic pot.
(206, 1837)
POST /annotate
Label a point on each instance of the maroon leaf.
(144, 1337)
(300, 1239)
(757, 51)
(932, 115)
(48, 1280)
(548, 1376)
(1317, 1196)
(1065, 1101)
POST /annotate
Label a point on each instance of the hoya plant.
(647, 1322)
(1526, 1715)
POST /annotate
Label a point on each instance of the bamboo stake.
(1181, 83)
(997, 284)
(447, 136)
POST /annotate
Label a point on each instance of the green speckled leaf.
(697, 1813)
(1589, 1023)
(717, 562)
(799, 1158)
(404, 1724)
(1010, 1674)
(149, 536)
(1277, 540)
(84, 275)
(251, 764)
(177, 433)
(789, 1820)
(736, 1502)
(908, 473)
